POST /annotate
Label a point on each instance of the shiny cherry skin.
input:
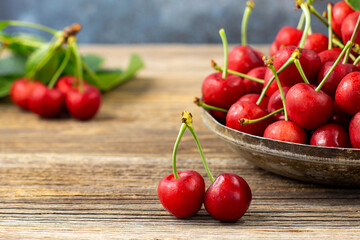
(247, 110)
(330, 55)
(275, 103)
(252, 86)
(46, 102)
(66, 83)
(285, 131)
(317, 42)
(354, 131)
(228, 197)
(339, 12)
(222, 93)
(347, 94)
(243, 59)
(273, 86)
(20, 91)
(339, 117)
(288, 36)
(83, 105)
(306, 107)
(339, 72)
(330, 135)
(182, 197)
(253, 97)
(348, 26)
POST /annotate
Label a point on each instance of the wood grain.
(65, 179)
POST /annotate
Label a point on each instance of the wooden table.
(65, 179)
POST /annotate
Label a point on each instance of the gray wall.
(159, 21)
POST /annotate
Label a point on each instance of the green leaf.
(4, 24)
(12, 65)
(354, 4)
(93, 61)
(36, 57)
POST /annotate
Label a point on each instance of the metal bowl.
(324, 165)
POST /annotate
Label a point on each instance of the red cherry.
(46, 102)
(285, 131)
(339, 117)
(348, 26)
(243, 59)
(339, 72)
(347, 94)
(83, 105)
(330, 135)
(273, 49)
(306, 107)
(354, 131)
(330, 55)
(182, 197)
(247, 110)
(20, 91)
(253, 97)
(288, 36)
(273, 86)
(275, 103)
(252, 86)
(228, 197)
(317, 42)
(339, 12)
(66, 83)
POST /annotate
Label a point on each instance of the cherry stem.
(249, 6)
(352, 40)
(60, 69)
(216, 67)
(301, 71)
(357, 60)
(78, 62)
(347, 46)
(30, 25)
(271, 66)
(245, 121)
(283, 67)
(181, 133)
(341, 45)
(187, 119)
(306, 12)
(330, 30)
(225, 46)
(202, 104)
(301, 21)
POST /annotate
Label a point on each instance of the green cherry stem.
(225, 46)
(78, 62)
(341, 45)
(245, 121)
(60, 70)
(271, 67)
(187, 119)
(305, 9)
(202, 104)
(347, 46)
(249, 6)
(301, 21)
(353, 36)
(357, 60)
(30, 25)
(181, 133)
(296, 56)
(330, 30)
(216, 67)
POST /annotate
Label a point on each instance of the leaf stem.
(249, 6)
(202, 104)
(225, 46)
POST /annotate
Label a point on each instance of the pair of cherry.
(182, 194)
(82, 103)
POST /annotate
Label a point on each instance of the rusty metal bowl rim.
(300, 152)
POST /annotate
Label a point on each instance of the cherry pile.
(307, 91)
(183, 193)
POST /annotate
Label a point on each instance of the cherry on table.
(354, 131)
(317, 42)
(347, 94)
(285, 131)
(21, 90)
(275, 103)
(228, 197)
(252, 86)
(330, 135)
(339, 12)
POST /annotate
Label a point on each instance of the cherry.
(339, 117)
(275, 103)
(252, 86)
(228, 197)
(285, 131)
(83, 105)
(243, 59)
(273, 86)
(66, 83)
(354, 131)
(253, 97)
(46, 102)
(182, 197)
(317, 42)
(348, 93)
(21, 90)
(339, 72)
(247, 110)
(339, 12)
(330, 55)
(306, 107)
(288, 36)
(273, 49)
(330, 135)
(348, 27)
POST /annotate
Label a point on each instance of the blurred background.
(160, 21)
